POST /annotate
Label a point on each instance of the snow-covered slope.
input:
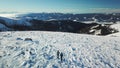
(80, 51)
(117, 27)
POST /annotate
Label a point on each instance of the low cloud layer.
(90, 10)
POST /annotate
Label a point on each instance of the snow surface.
(80, 51)
(117, 27)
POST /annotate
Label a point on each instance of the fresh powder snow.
(38, 49)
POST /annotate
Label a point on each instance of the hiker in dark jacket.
(61, 56)
(58, 54)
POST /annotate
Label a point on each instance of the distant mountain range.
(97, 17)
(61, 22)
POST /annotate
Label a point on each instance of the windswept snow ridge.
(38, 50)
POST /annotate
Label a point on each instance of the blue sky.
(64, 6)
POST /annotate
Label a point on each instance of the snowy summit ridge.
(40, 52)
